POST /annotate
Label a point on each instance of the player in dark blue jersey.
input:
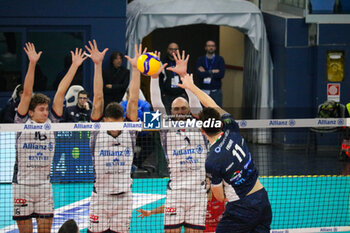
(229, 165)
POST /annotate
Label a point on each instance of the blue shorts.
(251, 214)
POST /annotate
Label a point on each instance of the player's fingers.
(76, 51)
(187, 57)
(145, 50)
(71, 52)
(105, 50)
(91, 45)
(88, 49)
(183, 55)
(95, 44)
(80, 52)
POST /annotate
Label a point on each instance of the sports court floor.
(296, 182)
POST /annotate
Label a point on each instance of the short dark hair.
(38, 99)
(114, 55)
(83, 92)
(114, 110)
(69, 226)
(210, 114)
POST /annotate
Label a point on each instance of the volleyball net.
(298, 162)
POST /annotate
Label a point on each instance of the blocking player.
(111, 199)
(185, 150)
(234, 177)
(32, 192)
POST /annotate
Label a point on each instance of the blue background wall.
(104, 21)
(300, 78)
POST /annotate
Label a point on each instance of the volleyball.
(148, 63)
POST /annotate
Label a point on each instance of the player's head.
(83, 98)
(172, 48)
(210, 114)
(210, 47)
(39, 108)
(114, 112)
(69, 226)
(116, 59)
(180, 110)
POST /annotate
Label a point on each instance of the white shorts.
(185, 208)
(110, 212)
(32, 201)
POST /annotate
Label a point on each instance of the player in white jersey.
(111, 199)
(32, 192)
(185, 151)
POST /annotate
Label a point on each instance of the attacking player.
(111, 199)
(234, 177)
(32, 191)
(186, 150)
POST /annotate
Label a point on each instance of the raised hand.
(187, 81)
(143, 213)
(33, 56)
(78, 57)
(181, 63)
(138, 52)
(95, 55)
(155, 75)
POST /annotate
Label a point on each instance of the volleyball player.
(111, 199)
(32, 191)
(233, 175)
(186, 151)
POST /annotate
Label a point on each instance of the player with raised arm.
(185, 151)
(113, 152)
(32, 191)
(234, 177)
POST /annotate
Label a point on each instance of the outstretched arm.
(146, 213)
(181, 63)
(156, 98)
(206, 100)
(77, 59)
(134, 88)
(33, 57)
(97, 57)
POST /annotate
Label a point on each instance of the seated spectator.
(115, 79)
(9, 111)
(69, 226)
(81, 111)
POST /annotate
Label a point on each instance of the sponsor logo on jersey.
(39, 157)
(198, 150)
(188, 160)
(125, 152)
(152, 120)
(34, 146)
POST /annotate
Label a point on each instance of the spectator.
(81, 111)
(9, 111)
(69, 226)
(210, 70)
(168, 80)
(115, 79)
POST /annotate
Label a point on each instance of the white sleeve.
(156, 98)
(194, 103)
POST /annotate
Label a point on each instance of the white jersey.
(186, 152)
(112, 158)
(34, 153)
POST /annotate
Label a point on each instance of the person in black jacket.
(115, 79)
(168, 80)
